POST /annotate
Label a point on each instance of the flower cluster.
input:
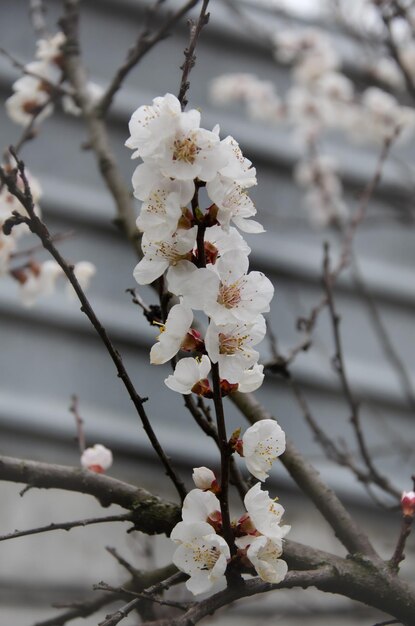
(32, 92)
(320, 99)
(35, 279)
(201, 250)
(202, 552)
(42, 84)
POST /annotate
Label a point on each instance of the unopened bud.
(203, 477)
(408, 503)
(96, 459)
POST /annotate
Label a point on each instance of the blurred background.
(49, 351)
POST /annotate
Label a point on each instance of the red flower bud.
(408, 503)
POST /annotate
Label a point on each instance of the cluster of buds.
(42, 84)
(320, 98)
(33, 92)
(96, 459)
(202, 551)
(35, 279)
(200, 249)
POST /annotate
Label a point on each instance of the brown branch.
(209, 429)
(38, 228)
(144, 44)
(225, 454)
(67, 526)
(307, 324)
(340, 368)
(98, 135)
(385, 341)
(189, 53)
(82, 609)
(150, 514)
(142, 596)
(308, 479)
(398, 555)
(115, 618)
(74, 409)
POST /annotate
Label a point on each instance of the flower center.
(230, 344)
(206, 556)
(229, 295)
(185, 150)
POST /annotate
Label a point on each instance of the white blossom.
(39, 281)
(264, 555)
(236, 295)
(203, 477)
(97, 459)
(238, 169)
(162, 210)
(233, 204)
(159, 255)
(262, 443)
(265, 513)
(190, 376)
(231, 346)
(201, 553)
(173, 141)
(199, 506)
(251, 379)
(50, 49)
(172, 335)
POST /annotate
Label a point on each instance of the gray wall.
(50, 352)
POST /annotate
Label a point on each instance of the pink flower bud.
(203, 477)
(96, 459)
(408, 503)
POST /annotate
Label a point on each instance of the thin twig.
(115, 618)
(398, 555)
(67, 526)
(38, 228)
(74, 409)
(54, 88)
(125, 564)
(143, 596)
(340, 368)
(38, 247)
(144, 44)
(225, 454)
(189, 53)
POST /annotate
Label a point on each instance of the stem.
(225, 454)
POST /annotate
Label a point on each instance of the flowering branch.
(38, 228)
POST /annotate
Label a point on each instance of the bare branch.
(67, 526)
(339, 366)
(189, 53)
(74, 409)
(144, 44)
(115, 618)
(150, 514)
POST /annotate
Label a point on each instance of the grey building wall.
(50, 352)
